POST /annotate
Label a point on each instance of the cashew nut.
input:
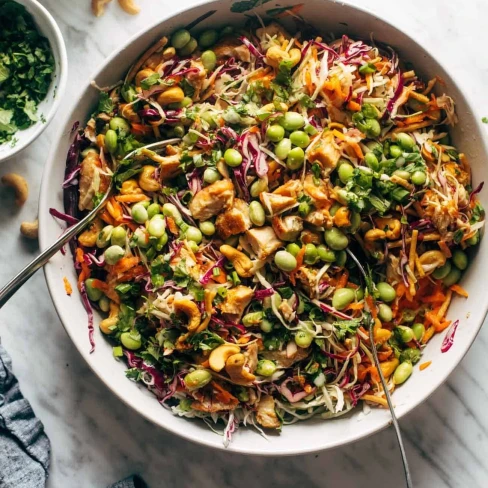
(130, 187)
(374, 235)
(431, 260)
(142, 75)
(241, 262)
(146, 179)
(30, 229)
(107, 324)
(98, 7)
(172, 95)
(129, 6)
(190, 309)
(235, 369)
(342, 217)
(88, 238)
(391, 227)
(275, 55)
(219, 356)
(19, 185)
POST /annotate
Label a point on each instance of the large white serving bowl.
(47, 108)
(312, 435)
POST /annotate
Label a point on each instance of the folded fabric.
(24, 446)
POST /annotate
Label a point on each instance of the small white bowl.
(47, 108)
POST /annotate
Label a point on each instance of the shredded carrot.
(353, 106)
(132, 198)
(243, 340)
(371, 306)
(173, 228)
(300, 255)
(375, 399)
(106, 217)
(442, 311)
(428, 335)
(67, 286)
(114, 209)
(222, 395)
(413, 250)
(141, 129)
(459, 290)
(125, 264)
(342, 282)
(425, 365)
(355, 306)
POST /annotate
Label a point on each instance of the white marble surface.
(97, 440)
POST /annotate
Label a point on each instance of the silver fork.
(15, 283)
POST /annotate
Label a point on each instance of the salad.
(313, 193)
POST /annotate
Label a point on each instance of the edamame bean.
(300, 138)
(104, 304)
(341, 258)
(170, 210)
(266, 326)
(336, 239)
(256, 213)
(94, 294)
(283, 148)
(252, 318)
(189, 47)
(402, 174)
(113, 254)
(441, 272)
(405, 141)
(402, 373)
(258, 187)
(226, 31)
(120, 124)
(373, 128)
(473, 240)
(285, 261)
(406, 333)
(197, 379)
(293, 249)
(194, 246)
(118, 237)
(207, 227)
(265, 367)
(209, 60)
(292, 121)
(310, 129)
(385, 313)
(395, 151)
(460, 259)
(345, 172)
(180, 38)
(419, 178)
(141, 238)
(162, 241)
(418, 331)
(372, 161)
(156, 227)
(232, 157)
(111, 141)
(386, 291)
(194, 234)
(408, 315)
(153, 209)
(342, 298)
(179, 130)
(131, 340)
(211, 175)
(275, 133)
(453, 277)
(208, 38)
(103, 238)
(139, 213)
(326, 254)
(311, 255)
(303, 338)
(295, 159)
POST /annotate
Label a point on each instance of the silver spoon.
(13, 285)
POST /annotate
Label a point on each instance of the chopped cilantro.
(26, 69)
(105, 103)
(343, 327)
(484, 120)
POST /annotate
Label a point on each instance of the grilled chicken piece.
(214, 399)
(232, 48)
(263, 241)
(325, 152)
(234, 221)
(318, 193)
(273, 30)
(266, 415)
(212, 199)
(92, 181)
(236, 301)
(196, 78)
(291, 188)
(251, 357)
(287, 228)
(275, 203)
(307, 277)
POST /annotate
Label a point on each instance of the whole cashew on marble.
(19, 185)
(129, 6)
(30, 229)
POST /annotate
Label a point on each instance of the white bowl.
(47, 108)
(314, 434)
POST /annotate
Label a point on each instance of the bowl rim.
(60, 82)
(173, 428)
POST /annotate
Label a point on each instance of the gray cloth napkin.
(24, 446)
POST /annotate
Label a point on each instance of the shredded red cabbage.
(252, 48)
(396, 95)
(449, 339)
(350, 354)
(209, 273)
(333, 311)
(89, 312)
(292, 397)
(63, 216)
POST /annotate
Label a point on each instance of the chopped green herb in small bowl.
(33, 70)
